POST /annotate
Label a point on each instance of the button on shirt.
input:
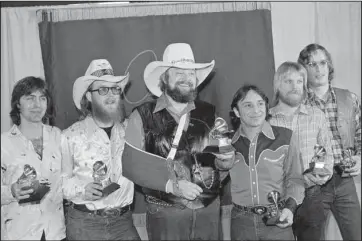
(310, 126)
(268, 162)
(83, 144)
(27, 221)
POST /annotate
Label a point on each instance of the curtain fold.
(87, 12)
(20, 53)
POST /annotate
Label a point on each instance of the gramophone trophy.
(218, 138)
(317, 164)
(347, 161)
(100, 176)
(273, 213)
(29, 179)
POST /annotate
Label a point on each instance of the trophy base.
(219, 149)
(110, 189)
(272, 221)
(40, 190)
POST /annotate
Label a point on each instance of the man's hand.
(225, 156)
(19, 193)
(317, 179)
(187, 190)
(93, 191)
(287, 216)
(356, 169)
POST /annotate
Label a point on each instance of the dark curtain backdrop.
(240, 42)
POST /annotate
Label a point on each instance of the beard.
(180, 96)
(105, 113)
(292, 98)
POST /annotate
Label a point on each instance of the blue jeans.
(338, 195)
(250, 226)
(88, 226)
(172, 223)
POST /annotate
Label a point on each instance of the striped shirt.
(309, 124)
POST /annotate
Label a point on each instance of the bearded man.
(92, 160)
(176, 126)
(309, 124)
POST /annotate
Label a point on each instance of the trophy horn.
(274, 197)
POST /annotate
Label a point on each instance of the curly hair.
(306, 53)
(240, 95)
(26, 86)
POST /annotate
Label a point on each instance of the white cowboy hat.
(176, 55)
(99, 69)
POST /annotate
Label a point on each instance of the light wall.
(335, 25)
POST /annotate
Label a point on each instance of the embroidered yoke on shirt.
(270, 162)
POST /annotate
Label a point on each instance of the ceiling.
(47, 3)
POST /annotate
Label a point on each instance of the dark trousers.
(172, 223)
(338, 195)
(88, 226)
(250, 226)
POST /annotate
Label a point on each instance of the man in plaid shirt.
(343, 111)
(309, 124)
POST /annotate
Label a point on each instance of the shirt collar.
(331, 95)
(266, 129)
(164, 103)
(15, 132)
(277, 110)
(92, 127)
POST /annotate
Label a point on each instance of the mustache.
(184, 83)
(300, 92)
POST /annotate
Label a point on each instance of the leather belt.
(259, 209)
(102, 212)
(153, 200)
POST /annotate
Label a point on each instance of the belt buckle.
(260, 210)
(110, 212)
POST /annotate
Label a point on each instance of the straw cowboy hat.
(176, 55)
(99, 69)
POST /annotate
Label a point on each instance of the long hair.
(26, 86)
(240, 96)
(284, 70)
(306, 53)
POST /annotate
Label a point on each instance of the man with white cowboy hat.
(175, 126)
(92, 164)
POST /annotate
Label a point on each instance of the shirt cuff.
(169, 186)
(139, 220)
(226, 211)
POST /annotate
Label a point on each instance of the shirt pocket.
(274, 161)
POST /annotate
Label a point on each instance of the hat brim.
(82, 84)
(155, 69)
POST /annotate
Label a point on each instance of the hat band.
(102, 72)
(183, 60)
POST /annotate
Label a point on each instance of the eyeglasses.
(105, 90)
(321, 63)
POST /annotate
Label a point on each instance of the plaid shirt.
(329, 107)
(310, 126)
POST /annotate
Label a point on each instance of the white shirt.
(27, 221)
(85, 143)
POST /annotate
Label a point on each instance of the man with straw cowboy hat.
(165, 152)
(92, 149)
